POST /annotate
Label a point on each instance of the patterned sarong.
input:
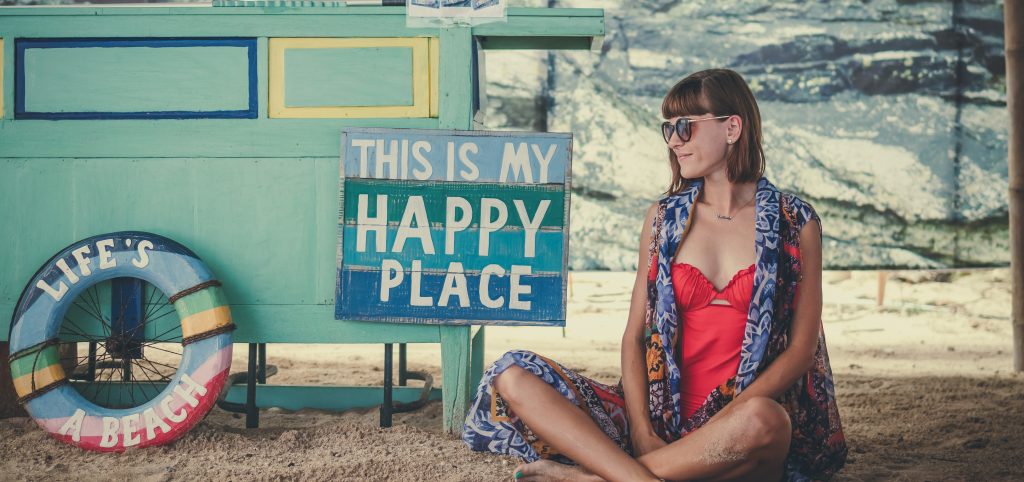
(818, 447)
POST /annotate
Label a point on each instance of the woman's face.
(705, 152)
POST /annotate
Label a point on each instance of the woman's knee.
(766, 424)
(509, 382)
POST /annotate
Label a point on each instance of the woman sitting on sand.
(725, 374)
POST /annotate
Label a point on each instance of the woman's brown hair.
(719, 92)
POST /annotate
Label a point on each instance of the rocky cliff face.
(888, 116)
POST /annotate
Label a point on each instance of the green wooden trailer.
(218, 126)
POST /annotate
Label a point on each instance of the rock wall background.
(888, 116)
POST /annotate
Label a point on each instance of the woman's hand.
(645, 443)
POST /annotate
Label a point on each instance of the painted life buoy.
(52, 399)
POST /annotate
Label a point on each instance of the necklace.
(729, 218)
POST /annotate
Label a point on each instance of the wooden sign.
(453, 227)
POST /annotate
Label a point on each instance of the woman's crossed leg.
(750, 442)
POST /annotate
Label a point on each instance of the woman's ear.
(735, 127)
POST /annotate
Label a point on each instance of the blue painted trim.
(21, 45)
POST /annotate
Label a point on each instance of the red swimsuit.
(710, 352)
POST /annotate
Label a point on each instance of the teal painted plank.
(476, 367)
(334, 398)
(456, 79)
(316, 324)
(455, 365)
(435, 200)
(250, 22)
(342, 77)
(205, 138)
(288, 397)
(136, 79)
(506, 247)
(298, 324)
(220, 11)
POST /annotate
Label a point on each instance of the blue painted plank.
(343, 77)
(476, 156)
(506, 246)
(545, 298)
(135, 78)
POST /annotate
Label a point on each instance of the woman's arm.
(634, 364)
(798, 357)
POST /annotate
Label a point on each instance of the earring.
(728, 141)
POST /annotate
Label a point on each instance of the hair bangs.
(686, 98)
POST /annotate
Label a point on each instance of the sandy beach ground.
(925, 386)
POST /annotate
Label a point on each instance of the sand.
(925, 386)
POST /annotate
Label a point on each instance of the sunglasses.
(682, 127)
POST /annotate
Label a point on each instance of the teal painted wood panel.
(136, 79)
(268, 235)
(298, 324)
(316, 324)
(290, 397)
(435, 199)
(344, 77)
(204, 138)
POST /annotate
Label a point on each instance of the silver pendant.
(727, 218)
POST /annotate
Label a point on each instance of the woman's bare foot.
(546, 470)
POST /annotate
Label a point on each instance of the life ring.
(45, 389)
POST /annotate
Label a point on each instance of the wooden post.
(882, 276)
(8, 399)
(1013, 19)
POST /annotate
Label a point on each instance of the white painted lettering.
(109, 437)
(83, 262)
(130, 423)
(143, 259)
(103, 249)
(490, 222)
(454, 223)
(415, 298)
(516, 159)
(391, 276)
(454, 282)
(472, 173)
(384, 159)
(423, 173)
(376, 224)
(73, 425)
(485, 284)
(544, 160)
(415, 211)
(62, 264)
(165, 406)
(153, 422)
(516, 290)
(56, 294)
(531, 225)
(364, 155)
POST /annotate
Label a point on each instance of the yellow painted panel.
(435, 74)
(424, 91)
